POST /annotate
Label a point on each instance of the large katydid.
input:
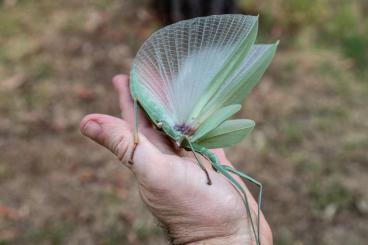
(192, 76)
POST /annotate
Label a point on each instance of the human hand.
(171, 183)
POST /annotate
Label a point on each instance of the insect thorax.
(184, 128)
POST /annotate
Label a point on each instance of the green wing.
(215, 120)
(231, 65)
(241, 83)
(227, 134)
(260, 58)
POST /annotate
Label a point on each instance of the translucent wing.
(183, 65)
(236, 87)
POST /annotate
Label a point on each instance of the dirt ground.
(309, 147)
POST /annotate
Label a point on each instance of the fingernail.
(92, 129)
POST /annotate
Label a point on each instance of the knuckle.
(123, 148)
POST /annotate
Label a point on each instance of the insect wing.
(215, 120)
(231, 64)
(227, 134)
(241, 83)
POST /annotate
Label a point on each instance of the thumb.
(116, 135)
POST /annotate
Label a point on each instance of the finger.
(121, 84)
(115, 134)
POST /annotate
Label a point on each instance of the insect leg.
(225, 172)
(209, 182)
(216, 165)
(135, 133)
(254, 181)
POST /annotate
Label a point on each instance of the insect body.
(192, 76)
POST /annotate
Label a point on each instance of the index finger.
(121, 84)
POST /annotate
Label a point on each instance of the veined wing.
(227, 134)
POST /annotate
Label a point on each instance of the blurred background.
(309, 148)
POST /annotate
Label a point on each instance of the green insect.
(192, 76)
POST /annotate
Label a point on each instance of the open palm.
(172, 185)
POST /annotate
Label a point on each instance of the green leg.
(209, 182)
(225, 172)
(135, 133)
(254, 181)
(219, 168)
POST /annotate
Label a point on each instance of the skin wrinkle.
(218, 240)
(170, 223)
(165, 225)
(204, 239)
(177, 218)
(180, 226)
(120, 147)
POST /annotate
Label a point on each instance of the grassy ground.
(309, 147)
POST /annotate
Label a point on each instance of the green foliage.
(52, 234)
(341, 23)
(142, 229)
(102, 4)
(331, 193)
(355, 47)
(293, 133)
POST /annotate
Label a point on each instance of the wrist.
(234, 240)
(211, 237)
(239, 238)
